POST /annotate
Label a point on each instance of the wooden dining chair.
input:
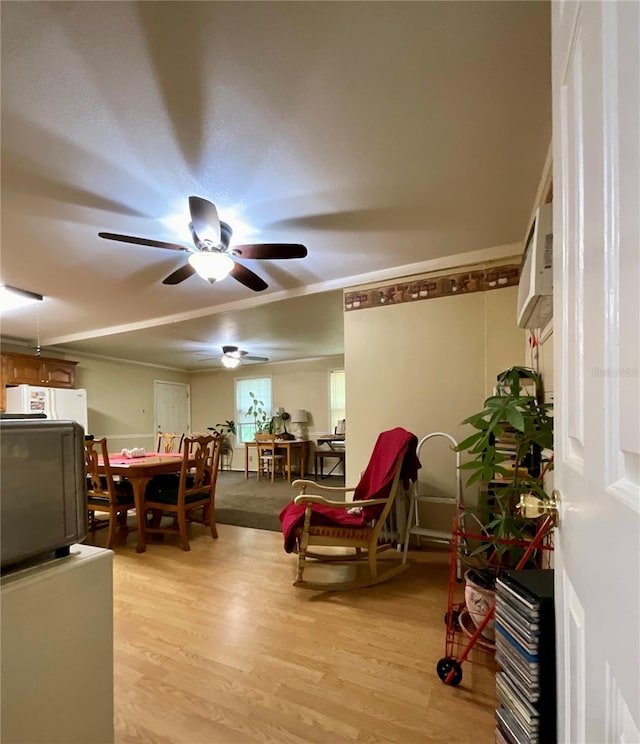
(103, 493)
(268, 457)
(191, 497)
(167, 442)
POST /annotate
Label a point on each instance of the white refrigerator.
(55, 403)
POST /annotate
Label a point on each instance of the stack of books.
(525, 651)
(506, 446)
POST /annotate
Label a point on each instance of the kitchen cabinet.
(24, 369)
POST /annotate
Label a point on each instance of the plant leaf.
(515, 418)
(469, 441)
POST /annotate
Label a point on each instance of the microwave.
(43, 502)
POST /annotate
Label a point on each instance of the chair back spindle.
(166, 442)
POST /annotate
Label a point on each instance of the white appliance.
(55, 403)
(535, 290)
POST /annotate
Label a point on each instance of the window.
(336, 397)
(261, 388)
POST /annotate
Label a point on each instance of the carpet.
(247, 502)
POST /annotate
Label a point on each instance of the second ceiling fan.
(232, 357)
(211, 256)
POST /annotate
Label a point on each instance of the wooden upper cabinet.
(58, 373)
(22, 369)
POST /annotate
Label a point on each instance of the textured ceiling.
(380, 135)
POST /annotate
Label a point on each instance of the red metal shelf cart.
(460, 640)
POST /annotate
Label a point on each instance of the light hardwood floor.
(216, 646)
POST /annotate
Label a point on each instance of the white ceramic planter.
(479, 601)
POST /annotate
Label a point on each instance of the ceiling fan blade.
(179, 275)
(255, 359)
(204, 218)
(143, 241)
(247, 277)
(269, 250)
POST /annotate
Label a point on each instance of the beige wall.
(425, 366)
(544, 365)
(120, 395)
(294, 385)
(545, 362)
(121, 399)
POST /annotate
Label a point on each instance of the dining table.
(139, 471)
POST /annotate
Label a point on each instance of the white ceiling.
(380, 135)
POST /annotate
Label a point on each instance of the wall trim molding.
(462, 281)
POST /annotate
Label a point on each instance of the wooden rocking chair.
(314, 520)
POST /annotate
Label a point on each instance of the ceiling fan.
(211, 256)
(232, 357)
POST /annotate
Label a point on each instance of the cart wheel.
(446, 665)
(455, 622)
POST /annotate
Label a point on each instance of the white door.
(172, 407)
(596, 133)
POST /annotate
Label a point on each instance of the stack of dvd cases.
(525, 651)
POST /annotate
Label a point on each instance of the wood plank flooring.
(216, 646)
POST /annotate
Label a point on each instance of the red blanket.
(375, 484)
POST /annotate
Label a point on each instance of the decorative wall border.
(428, 287)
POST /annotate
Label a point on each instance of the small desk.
(139, 471)
(335, 441)
(302, 446)
(336, 444)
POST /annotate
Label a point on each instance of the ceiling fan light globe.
(214, 266)
(230, 362)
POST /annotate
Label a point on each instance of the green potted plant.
(223, 430)
(262, 420)
(511, 431)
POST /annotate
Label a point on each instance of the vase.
(479, 601)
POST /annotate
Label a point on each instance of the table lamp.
(284, 417)
(300, 417)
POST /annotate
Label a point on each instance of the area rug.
(247, 502)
